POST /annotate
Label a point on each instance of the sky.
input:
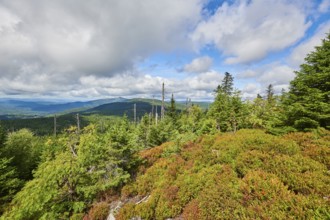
(83, 50)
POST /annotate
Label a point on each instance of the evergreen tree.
(172, 110)
(190, 120)
(270, 94)
(24, 150)
(143, 131)
(67, 184)
(308, 102)
(227, 83)
(257, 112)
(2, 136)
(228, 108)
(9, 183)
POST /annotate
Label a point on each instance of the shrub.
(99, 211)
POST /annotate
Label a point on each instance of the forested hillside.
(266, 158)
(45, 125)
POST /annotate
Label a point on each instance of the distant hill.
(20, 108)
(38, 116)
(43, 125)
(122, 108)
(27, 109)
(143, 106)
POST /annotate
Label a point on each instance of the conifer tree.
(227, 84)
(9, 183)
(2, 136)
(308, 100)
(270, 93)
(228, 108)
(172, 110)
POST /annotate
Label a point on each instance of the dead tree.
(162, 114)
(152, 106)
(134, 109)
(55, 126)
(78, 123)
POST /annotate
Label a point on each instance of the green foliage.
(44, 125)
(172, 109)
(270, 94)
(308, 101)
(2, 136)
(69, 182)
(9, 183)
(228, 110)
(227, 84)
(151, 134)
(193, 120)
(24, 148)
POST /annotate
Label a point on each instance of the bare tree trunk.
(134, 113)
(152, 107)
(78, 123)
(163, 107)
(55, 126)
(235, 126)
(218, 125)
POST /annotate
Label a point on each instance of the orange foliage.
(191, 211)
(99, 211)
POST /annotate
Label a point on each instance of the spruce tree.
(228, 108)
(172, 110)
(270, 93)
(308, 100)
(227, 84)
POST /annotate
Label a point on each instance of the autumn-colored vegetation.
(248, 175)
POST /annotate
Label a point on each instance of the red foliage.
(191, 211)
(99, 211)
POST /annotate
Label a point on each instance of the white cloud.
(70, 48)
(251, 90)
(247, 31)
(324, 6)
(199, 65)
(299, 53)
(127, 84)
(249, 73)
(277, 75)
(91, 37)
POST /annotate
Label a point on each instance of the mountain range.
(17, 108)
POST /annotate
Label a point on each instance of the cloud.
(247, 31)
(249, 73)
(140, 84)
(127, 84)
(88, 49)
(199, 65)
(90, 37)
(324, 6)
(273, 73)
(299, 53)
(277, 75)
